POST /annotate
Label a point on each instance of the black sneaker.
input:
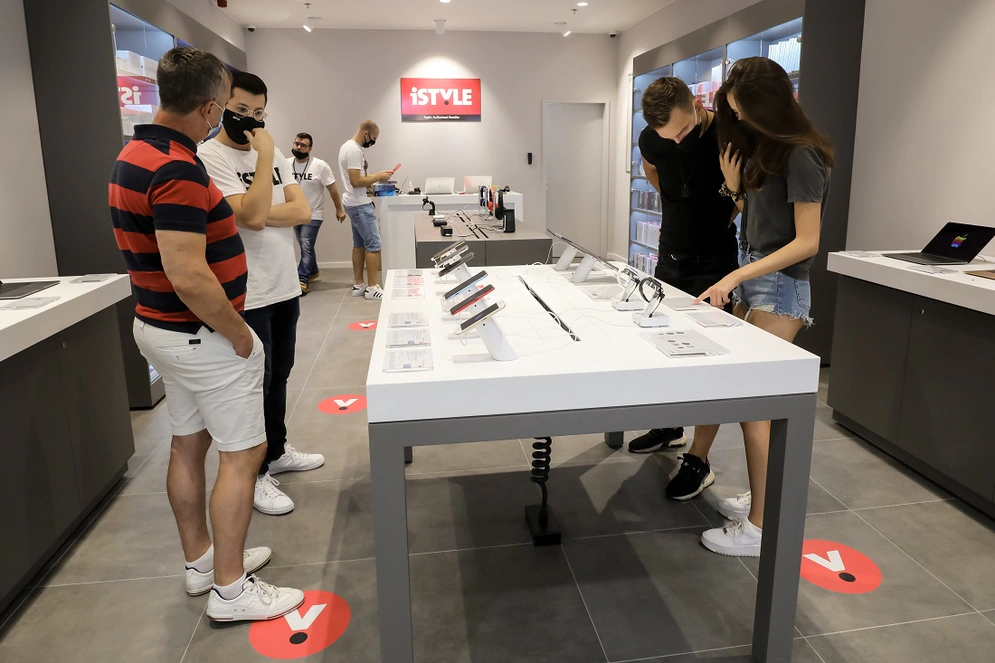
(658, 438)
(694, 476)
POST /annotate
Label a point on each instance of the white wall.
(26, 244)
(207, 13)
(327, 82)
(672, 22)
(924, 141)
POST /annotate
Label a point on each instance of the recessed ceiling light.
(307, 28)
(582, 4)
(445, 2)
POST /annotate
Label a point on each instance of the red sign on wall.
(137, 91)
(440, 100)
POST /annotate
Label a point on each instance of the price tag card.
(29, 303)
(684, 304)
(402, 361)
(93, 278)
(402, 281)
(409, 293)
(405, 338)
(861, 254)
(398, 320)
(411, 272)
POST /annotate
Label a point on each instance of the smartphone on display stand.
(472, 299)
(449, 249)
(473, 280)
(465, 258)
(469, 324)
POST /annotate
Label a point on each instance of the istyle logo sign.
(440, 99)
(313, 627)
(839, 568)
(343, 404)
(366, 325)
(137, 91)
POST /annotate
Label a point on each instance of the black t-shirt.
(698, 225)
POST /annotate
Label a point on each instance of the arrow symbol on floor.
(834, 563)
(366, 325)
(298, 623)
(344, 404)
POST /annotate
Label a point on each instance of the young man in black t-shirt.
(698, 245)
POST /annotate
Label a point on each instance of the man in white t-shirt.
(359, 207)
(314, 177)
(266, 208)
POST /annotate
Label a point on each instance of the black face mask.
(369, 142)
(300, 155)
(236, 125)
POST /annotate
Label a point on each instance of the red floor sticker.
(313, 627)
(343, 404)
(365, 325)
(839, 568)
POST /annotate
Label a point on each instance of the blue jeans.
(306, 237)
(365, 233)
(775, 293)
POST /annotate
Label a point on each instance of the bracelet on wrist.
(736, 196)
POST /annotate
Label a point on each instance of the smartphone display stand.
(567, 257)
(461, 273)
(625, 301)
(650, 316)
(495, 340)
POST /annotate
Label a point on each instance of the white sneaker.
(253, 559)
(269, 499)
(259, 601)
(358, 290)
(737, 507)
(740, 538)
(374, 294)
(293, 460)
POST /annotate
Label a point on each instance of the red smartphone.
(472, 299)
(396, 168)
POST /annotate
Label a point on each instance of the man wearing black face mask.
(680, 155)
(359, 207)
(258, 183)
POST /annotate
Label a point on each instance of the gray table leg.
(614, 440)
(408, 456)
(788, 468)
(390, 529)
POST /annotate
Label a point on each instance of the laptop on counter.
(955, 244)
(439, 185)
(19, 289)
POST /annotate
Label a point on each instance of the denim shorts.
(365, 233)
(775, 293)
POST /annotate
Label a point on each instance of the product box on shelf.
(150, 68)
(129, 63)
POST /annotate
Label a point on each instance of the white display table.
(397, 221)
(611, 379)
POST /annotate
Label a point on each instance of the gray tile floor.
(630, 583)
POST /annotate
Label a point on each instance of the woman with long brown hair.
(777, 169)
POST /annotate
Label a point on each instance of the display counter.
(67, 435)
(397, 221)
(913, 365)
(489, 245)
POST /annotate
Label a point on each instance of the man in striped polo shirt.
(188, 272)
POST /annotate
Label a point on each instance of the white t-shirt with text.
(269, 253)
(351, 157)
(314, 176)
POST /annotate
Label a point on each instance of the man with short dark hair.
(680, 153)
(314, 176)
(188, 272)
(359, 207)
(255, 179)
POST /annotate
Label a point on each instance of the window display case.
(704, 74)
(138, 46)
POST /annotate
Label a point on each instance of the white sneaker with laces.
(374, 293)
(269, 499)
(253, 559)
(293, 460)
(358, 289)
(739, 538)
(259, 601)
(737, 507)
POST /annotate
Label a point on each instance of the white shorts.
(208, 386)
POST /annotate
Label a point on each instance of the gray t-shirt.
(769, 215)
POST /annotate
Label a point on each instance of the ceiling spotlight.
(440, 26)
(562, 27)
(307, 28)
(445, 2)
(582, 4)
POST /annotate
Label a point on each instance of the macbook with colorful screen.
(956, 244)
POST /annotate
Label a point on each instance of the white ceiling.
(600, 16)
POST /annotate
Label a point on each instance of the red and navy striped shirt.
(159, 183)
